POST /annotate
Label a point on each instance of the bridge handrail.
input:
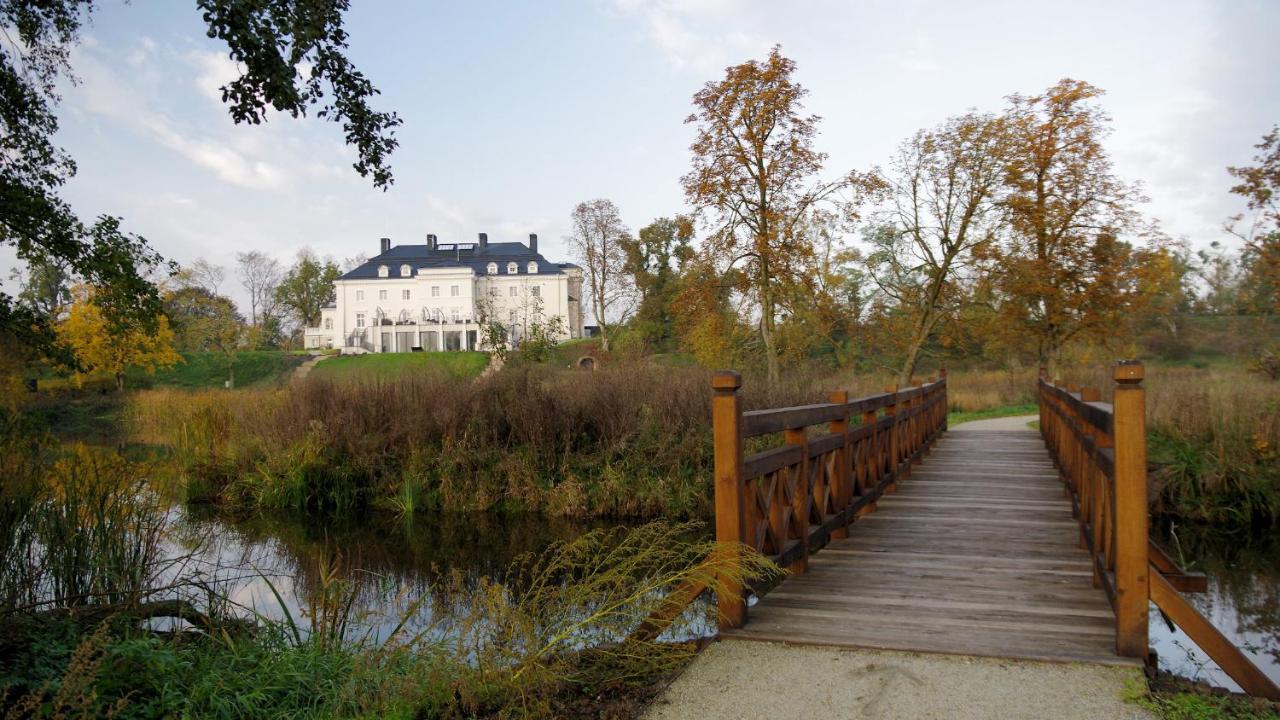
(790, 500)
(1101, 453)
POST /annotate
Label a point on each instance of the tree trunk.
(119, 381)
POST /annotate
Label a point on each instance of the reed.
(623, 441)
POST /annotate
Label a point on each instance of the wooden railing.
(788, 501)
(1101, 453)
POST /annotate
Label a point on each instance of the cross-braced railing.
(836, 459)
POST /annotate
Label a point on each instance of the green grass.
(457, 364)
(956, 418)
(209, 370)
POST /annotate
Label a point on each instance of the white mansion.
(434, 297)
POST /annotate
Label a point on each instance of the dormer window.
(493, 268)
(533, 268)
(512, 268)
(405, 271)
(383, 271)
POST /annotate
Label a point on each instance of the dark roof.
(462, 255)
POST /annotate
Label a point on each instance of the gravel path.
(741, 679)
(1018, 422)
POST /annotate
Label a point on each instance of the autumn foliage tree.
(654, 259)
(755, 178)
(1259, 184)
(1064, 269)
(111, 342)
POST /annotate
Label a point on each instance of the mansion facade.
(435, 296)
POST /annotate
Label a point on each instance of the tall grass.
(78, 526)
(551, 637)
(623, 441)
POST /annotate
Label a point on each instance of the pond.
(1243, 600)
(267, 561)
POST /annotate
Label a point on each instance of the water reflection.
(1243, 600)
(274, 566)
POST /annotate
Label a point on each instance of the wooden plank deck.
(976, 553)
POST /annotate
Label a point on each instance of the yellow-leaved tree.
(104, 343)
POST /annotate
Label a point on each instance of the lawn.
(956, 418)
(457, 364)
(209, 370)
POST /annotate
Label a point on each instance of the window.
(456, 313)
(405, 271)
(493, 268)
(404, 294)
(493, 292)
(359, 319)
(382, 294)
(513, 291)
(533, 267)
(359, 294)
(382, 271)
(512, 268)
(453, 291)
(435, 291)
(328, 323)
(536, 290)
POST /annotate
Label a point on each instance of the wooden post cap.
(1128, 371)
(726, 380)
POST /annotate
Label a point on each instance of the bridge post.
(842, 479)
(1131, 532)
(726, 428)
(895, 448)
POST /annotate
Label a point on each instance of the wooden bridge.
(900, 535)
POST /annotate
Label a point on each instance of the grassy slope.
(458, 364)
(209, 370)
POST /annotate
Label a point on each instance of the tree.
(654, 259)
(103, 341)
(1260, 185)
(207, 275)
(1063, 271)
(291, 56)
(45, 287)
(598, 238)
(259, 276)
(307, 287)
(943, 184)
(754, 172)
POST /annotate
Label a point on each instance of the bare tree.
(260, 275)
(207, 275)
(942, 208)
(598, 241)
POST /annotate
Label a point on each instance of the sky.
(515, 112)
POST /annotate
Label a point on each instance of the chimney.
(484, 240)
(533, 243)
(431, 242)
(386, 244)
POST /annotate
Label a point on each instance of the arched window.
(405, 271)
(512, 268)
(382, 271)
(533, 267)
(493, 268)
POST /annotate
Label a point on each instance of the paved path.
(733, 679)
(1018, 422)
(302, 371)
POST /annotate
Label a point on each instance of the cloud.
(695, 34)
(213, 70)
